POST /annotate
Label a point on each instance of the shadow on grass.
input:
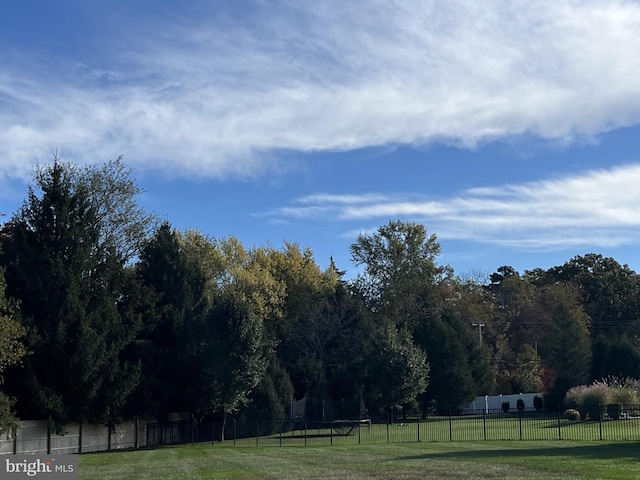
(602, 452)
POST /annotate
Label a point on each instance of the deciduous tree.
(228, 355)
(12, 350)
(397, 369)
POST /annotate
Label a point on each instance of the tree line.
(107, 313)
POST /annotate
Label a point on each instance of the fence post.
(280, 432)
(15, 440)
(484, 423)
(49, 438)
(388, 422)
(108, 437)
(600, 415)
(418, 422)
(80, 438)
(559, 429)
(136, 436)
(305, 432)
(450, 428)
(331, 432)
(257, 430)
(520, 422)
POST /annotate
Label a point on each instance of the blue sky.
(510, 129)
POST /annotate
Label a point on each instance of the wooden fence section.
(36, 437)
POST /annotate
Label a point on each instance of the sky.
(510, 129)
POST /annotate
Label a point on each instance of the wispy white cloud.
(598, 208)
(330, 198)
(199, 91)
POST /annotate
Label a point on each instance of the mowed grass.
(426, 460)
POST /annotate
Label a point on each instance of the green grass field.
(459, 460)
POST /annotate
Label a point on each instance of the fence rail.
(596, 423)
(479, 425)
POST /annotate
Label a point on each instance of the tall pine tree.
(72, 294)
(176, 289)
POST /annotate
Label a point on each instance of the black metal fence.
(596, 423)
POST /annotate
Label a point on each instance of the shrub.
(537, 403)
(520, 405)
(623, 390)
(505, 407)
(595, 399)
(592, 400)
(574, 396)
(624, 395)
(572, 414)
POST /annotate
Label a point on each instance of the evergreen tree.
(615, 356)
(176, 288)
(271, 400)
(458, 370)
(71, 290)
(567, 350)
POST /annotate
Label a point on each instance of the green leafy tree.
(610, 292)
(402, 283)
(228, 355)
(72, 290)
(230, 268)
(295, 333)
(398, 370)
(304, 285)
(248, 276)
(521, 318)
(328, 343)
(122, 224)
(529, 371)
(12, 350)
(401, 279)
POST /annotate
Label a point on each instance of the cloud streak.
(598, 208)
(209, 93)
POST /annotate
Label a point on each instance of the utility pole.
(479, 325)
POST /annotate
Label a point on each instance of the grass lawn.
(426, 460)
